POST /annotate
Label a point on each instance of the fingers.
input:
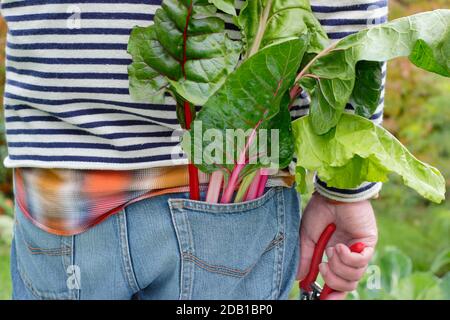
(342, 270)
(335, 282)
(353, 259)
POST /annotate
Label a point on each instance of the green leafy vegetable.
(442, 261)
(391, 276)
(300, 179)
(185, 51)
(248, 100)
(265, 22)
(226, 6)
(188, 54)
(397, 265)
(419, 286)
(328, 101)
(445, 286)
(368, 86)
(424, 38)
(357, 150)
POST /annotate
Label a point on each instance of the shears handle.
(307, 283)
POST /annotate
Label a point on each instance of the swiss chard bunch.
(187, 54)
(283, 51)
(347, 149)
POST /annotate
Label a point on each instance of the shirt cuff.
(365, 191)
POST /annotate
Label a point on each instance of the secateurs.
(309, 288)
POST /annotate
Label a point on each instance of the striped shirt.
(66, 97)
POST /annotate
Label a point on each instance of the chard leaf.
(226, 6)
(250, 99)
(366, 93)
(418, 286)
(265, 22)
(424, 38)
(186, 51)
(357, 150)
(300, 178)
(395, 265)
(282, 122)
(328, 100)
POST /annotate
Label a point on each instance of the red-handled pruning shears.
(309, 289)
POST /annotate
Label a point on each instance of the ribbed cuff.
(365, 191)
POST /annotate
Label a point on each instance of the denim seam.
(37, 293)
(70, 260)
(279, 252)
(224, 208)
(283, 254)
(125, 249)
(49, 253)
(217, 268)
(172, 216)
(63, 250)
(191, 249)
(275, 242)
(185, 244)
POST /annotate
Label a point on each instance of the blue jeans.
(167, 247)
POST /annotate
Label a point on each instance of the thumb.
(306, 252)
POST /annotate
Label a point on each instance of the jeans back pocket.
(230, 251)
(43, 259)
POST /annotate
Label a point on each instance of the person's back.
(94, 170)
(66, 98)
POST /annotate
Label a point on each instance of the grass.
(5, 279)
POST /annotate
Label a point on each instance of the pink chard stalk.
(252, 190)
(239, 166)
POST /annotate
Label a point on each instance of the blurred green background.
(413, 255)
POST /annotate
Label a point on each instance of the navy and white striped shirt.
(66, 97)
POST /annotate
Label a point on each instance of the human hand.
(355, 222)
